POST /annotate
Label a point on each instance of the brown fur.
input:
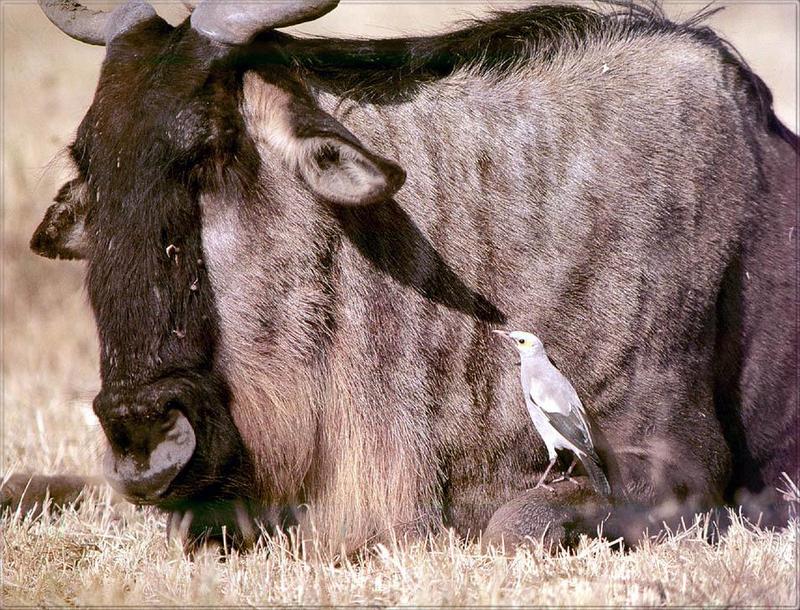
(370, 210)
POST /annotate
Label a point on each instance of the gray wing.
(559, 403)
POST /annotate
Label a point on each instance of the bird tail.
(594, 469)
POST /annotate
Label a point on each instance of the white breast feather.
(547, 401)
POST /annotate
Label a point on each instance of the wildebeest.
(296, 249)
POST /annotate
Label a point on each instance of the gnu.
(296, 250)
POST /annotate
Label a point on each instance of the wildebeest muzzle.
(150, 436)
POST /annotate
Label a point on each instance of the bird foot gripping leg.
(567, 476)
(541, 481)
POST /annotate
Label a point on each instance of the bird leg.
(541, 482)
(566, 476)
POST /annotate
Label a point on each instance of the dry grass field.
(107, 553)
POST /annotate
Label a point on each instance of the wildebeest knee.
(551, 518)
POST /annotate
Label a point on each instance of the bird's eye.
(521, 341)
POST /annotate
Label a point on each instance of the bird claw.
(545, 486)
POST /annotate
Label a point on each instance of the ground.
(102, 555)
(108, 553)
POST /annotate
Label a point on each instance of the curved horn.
(232, 22)
(76, 20)
(95, 27)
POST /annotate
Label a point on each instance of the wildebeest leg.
(554, 518)
(28, 492)
(234, 523)
(560, 518)
(230, 522)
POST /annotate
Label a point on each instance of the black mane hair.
(393, 69)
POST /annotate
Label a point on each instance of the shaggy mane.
(391, 70)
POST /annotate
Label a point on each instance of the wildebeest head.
(164, 126)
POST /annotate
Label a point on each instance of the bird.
(557, 412)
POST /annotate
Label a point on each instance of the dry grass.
(112, 554)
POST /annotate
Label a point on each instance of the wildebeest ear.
(61, 233)
(342, 171)
(330, 159)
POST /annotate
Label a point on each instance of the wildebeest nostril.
(172, 414)
(144, 469)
